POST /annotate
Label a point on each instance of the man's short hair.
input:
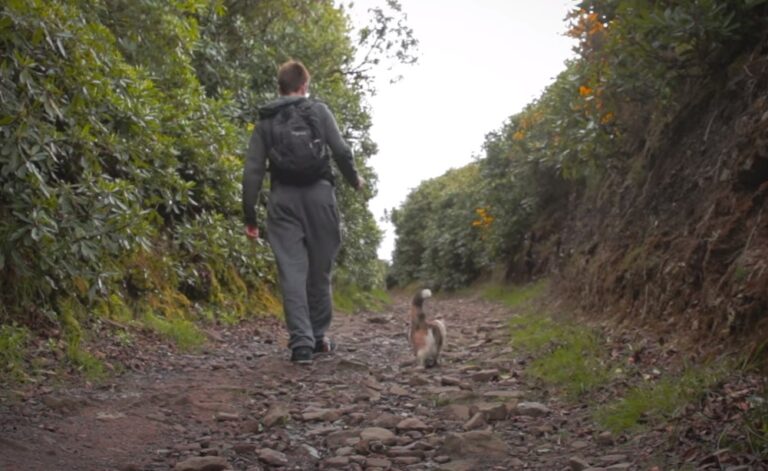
(291, 76)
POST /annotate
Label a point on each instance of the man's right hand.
(252, 232)
(360, 183)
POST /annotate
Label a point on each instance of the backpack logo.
(298, 155)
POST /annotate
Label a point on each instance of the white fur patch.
(429, 353)
(429, 350)
(441, 326)
(425, 293)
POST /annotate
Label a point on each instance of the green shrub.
(515, 296)
(182, 332)
(637, 66)
(349, 298)
(13, 343)
(654, 402)
(567, 355)
(123, 128)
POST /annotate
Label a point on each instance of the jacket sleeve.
(253, 174)
(342, 153)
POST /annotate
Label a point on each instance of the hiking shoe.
(325, 345)
(302, 355)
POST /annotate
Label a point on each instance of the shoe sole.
(302, 362)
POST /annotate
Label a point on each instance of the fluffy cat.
(427, 337)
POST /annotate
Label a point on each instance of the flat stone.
(401, 451)
(244, 448)
(485, 375)
(311, 451)
(463, 465)
(605, 439)
(477, 421)
(579, 444)
(459, 411)
(378, 463)
(272, 457)
(251, 426)
(453, 381)
(187, 447)
(577, 463)
(531, 409)
(345, 451)
(336, 462)
(363, 447)
(543, 430)
(202, 463)
(352, 365)
(612, 459)
(456, 396)
(106, 416)
(373, 383)
(473, 443)
(339, 439)
(407, 460)
(277, 414)
(227, 416)
(323, 430)
(503, 395)
(324, 415)
(386, 420)
(380, 434)
(450, 381)
(368, 394)
(511, 406)
(412, 423)
(437, 390)
(493, 411)
(398, 390)
(418, 380)
(355, 418)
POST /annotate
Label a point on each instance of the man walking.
(293, 135)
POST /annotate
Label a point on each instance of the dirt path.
(241, 405)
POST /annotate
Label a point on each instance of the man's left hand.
(252, 232)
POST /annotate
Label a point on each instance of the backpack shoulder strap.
(307, 108)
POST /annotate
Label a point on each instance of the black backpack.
(298, 154)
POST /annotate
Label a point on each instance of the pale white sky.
(480, 62)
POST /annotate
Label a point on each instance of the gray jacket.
(256, 156)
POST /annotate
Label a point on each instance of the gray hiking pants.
(303, 230)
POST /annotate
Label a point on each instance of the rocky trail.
(241, 405)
